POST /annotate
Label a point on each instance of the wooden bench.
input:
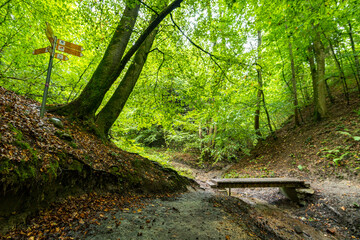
(288, 186)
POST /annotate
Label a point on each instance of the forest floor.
(201, 213)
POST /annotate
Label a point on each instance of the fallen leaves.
(75, 214)
(25, 137)
(27, 140)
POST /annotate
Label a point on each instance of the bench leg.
(229, 191)
(290, 193)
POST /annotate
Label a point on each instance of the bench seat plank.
(258, 182)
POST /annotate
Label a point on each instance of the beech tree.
(207, 66)
(110, 112)
(85, 106)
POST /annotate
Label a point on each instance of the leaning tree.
(109, 69)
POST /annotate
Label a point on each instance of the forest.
(217, 72)
(218, 84)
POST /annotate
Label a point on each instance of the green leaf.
(356, 138)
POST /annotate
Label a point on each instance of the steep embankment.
(326, 154)
(328, 149)
(44, 159)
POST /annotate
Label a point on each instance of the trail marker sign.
(41, 50)
(61, 56)
(69, 50)
(56, 44)
(70, 45)
(49, 33)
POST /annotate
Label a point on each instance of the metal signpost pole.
(42, 110)
(57, 44)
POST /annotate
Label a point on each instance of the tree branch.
(212, 56)
(5, 3)
(141, 39)
(157, 72)
(141, 2)
(74, 86)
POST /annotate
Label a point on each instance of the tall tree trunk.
(267, 115)
(282, 65)
(293, 81)
(110, 112)
(356, 58)
(213, 141)
(332, 99)
(341, 71)
(85, 106)
(353, 69)
(320, 76)
(258, 98)
(313, 72)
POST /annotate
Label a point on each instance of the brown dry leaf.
(331, 230)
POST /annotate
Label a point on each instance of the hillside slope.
(326, 154)
(42, 160)
(329, 149)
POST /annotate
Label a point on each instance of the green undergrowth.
(164, 158)
(153, 154)
(260, 173)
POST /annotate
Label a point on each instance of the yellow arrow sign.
(41, 50)
(61, 56)
(69, 51)
(49, 33)
(70, 45)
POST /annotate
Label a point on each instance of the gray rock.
(308, 191)
(298, 230)
(57, 123)
(64, 136)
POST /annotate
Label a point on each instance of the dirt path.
(189, 216)
(198, 214)
(334, 208)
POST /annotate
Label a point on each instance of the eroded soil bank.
(44, 159)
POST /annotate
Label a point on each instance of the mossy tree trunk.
(320, 60)
(294, 87)
(110, 112)
(313, 72)
(112, 64)
(85, 106)
(318, 77)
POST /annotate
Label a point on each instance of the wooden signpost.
(68, 50)
(60, 45)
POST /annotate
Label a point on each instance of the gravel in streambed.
(190, 216)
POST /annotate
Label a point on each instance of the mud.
(197, 215)
(189, 216)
